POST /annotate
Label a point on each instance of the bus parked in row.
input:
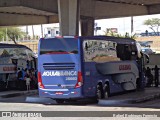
(84, 67)
(12, 57)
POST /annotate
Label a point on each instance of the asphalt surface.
(30, 100)
(34, 103)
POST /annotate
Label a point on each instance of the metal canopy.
(29, 12)
(134, 2)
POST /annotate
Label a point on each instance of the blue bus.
(86, 67)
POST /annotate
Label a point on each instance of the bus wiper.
(74, 51)
(57, 52)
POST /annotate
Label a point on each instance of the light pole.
(124, 25)
(132, 28)
(42, 30)
(27, 31)
(33, 32)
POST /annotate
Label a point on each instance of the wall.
(155, 39)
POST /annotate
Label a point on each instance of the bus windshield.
(59, 46)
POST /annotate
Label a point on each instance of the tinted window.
(56, 46)
(10, 55)
(99, 51)
(127, 51)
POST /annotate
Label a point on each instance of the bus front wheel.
(99, 92)
(60, 101)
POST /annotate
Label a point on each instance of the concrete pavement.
(8, 94)
(148, 94)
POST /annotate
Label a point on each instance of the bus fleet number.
(71, 78)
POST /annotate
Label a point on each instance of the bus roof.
(109, 38)
(4, 45)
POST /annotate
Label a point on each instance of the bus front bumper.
(61, 93)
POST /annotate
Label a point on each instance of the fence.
(32, 44)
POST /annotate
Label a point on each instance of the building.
(52, 31)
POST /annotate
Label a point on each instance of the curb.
(147, 98)
(9, 95)
(129, 101)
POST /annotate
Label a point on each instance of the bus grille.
(58, 66)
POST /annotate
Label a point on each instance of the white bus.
(13, 56)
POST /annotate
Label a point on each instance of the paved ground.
(129, 97)
(30, 102)
(20, 104)
(12, 93)
(138, 94)
(133, 97)
(34, 100)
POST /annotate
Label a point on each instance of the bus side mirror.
(146, 58)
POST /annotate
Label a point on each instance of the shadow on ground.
(114, 101)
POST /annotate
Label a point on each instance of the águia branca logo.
(59, 73)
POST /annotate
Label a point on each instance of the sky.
(123, 25)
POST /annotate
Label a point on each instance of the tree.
(12, 32)
(153, 24)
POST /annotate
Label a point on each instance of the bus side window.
(99, 51)
(14, 61)
(127, 52)
(120, 51)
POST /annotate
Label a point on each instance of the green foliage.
(13, 33)
(153, 24)
(129, 36)
(1, 35)
(120, 36)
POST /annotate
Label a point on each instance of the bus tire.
(99, 92)
(60, 101)
(106, 91)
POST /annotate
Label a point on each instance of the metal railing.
(32, 44)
